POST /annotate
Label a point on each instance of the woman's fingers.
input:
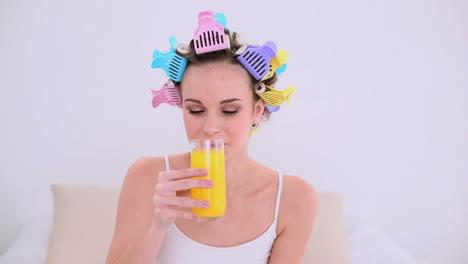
(183, 202)
(168, 213)
(185, 184)
(168, 205)
(173, 175)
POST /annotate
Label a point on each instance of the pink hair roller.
(209, 36)
(168, 94)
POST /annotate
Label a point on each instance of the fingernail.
(210, 183)
(206, 204)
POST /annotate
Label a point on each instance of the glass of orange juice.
(209, 154)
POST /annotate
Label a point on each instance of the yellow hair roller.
(274, 97)
(278, 61)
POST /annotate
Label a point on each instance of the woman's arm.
(137, 237)
(296, 219)
(148, 205)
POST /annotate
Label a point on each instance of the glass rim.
(207, 144)
(206, 140)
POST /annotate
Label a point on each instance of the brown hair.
(228, 55)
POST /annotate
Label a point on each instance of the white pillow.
(369, 245)
(328, 243)
(30, 245)
(84, 219)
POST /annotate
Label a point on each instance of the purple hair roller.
(257, 59)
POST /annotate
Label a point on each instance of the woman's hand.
(172, 195)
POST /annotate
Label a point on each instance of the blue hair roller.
(172, 63)
(281, 69)
(221, 18)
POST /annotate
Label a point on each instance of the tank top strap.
(278, 195)
(166, 160)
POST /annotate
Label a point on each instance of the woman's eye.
(196, 112)
(230, 112)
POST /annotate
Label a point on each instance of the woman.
(269, 216)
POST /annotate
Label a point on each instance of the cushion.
(328, 242)
(84, 219)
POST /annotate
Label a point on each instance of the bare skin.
(152, 198)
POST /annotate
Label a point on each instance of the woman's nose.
(212, 126)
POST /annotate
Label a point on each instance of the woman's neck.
(240, 174)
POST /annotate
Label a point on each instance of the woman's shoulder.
(143, 165)
(297, 184)
(296, 189)
(298, 197)
(152, 165)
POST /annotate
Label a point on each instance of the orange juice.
(210, 156)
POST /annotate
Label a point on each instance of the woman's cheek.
(240, 125)
(191, 126)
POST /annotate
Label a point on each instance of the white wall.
(380, 113)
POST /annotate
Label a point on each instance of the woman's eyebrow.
(192, 100)
(227, 101)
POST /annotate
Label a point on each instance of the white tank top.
(178, 248)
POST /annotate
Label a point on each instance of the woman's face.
(218, 104)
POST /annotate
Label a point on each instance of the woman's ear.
(259, 109)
